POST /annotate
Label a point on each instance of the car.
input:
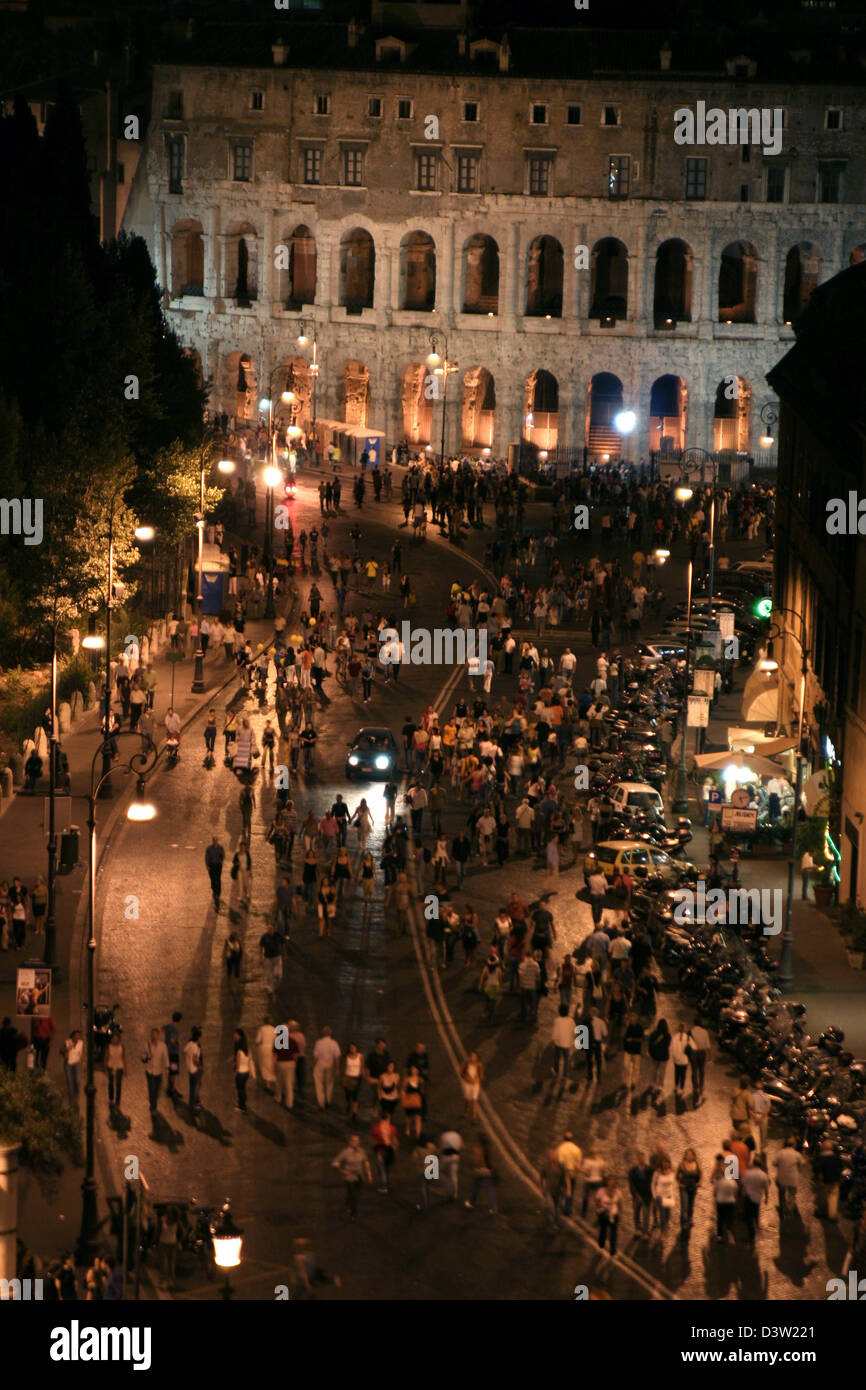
(373, 752)
(637, 796)
(658, 651)
(635, 857)
(762, 567)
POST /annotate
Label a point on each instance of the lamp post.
(50, 956)
(314, 374)
(227, 1246)
(225, 466)
(769, 419)
(141, 764)
(681, 805)
(692, 459)
(786, 961)
(273, 477)
(442, 366)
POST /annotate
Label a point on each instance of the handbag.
(235, 866)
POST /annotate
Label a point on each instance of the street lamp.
(228, 1243)
(314, 374)
(272, 478)
(681, 805)
(769, 419)
(141, 764)
(786, 962)
(435, 358)
(690, 460)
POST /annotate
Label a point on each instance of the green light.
(764, 607)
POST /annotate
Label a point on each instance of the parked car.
(635, 857)
(637, 796)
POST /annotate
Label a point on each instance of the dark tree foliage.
(80, 321)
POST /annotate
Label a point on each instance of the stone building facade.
(575, 260)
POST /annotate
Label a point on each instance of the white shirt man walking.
(326, 1055)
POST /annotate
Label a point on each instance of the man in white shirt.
(597, 895)
(192, 1060)
(326, 1055)
(700, 1051)
(759, 1115)
(486, 827)
(567, 663)
(563, 1041)
(172, 723)
(155, 1067)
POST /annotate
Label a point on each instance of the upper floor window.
(696, 179)
(467, 173)
(833, 118)
(618, 175)
(242, 161)
(776, 183)
(426, 167)
(830, 183)
(540, 175)
(470, 111)
(374, 106)
(175, 163)
(257, 101)
(572, 115)
(611, 115)
(312, 166)
(353, 168)
(538, 113)
(175, 106)
(404, 109)
(323, 104)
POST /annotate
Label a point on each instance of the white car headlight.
(354, 760)
(383, 762)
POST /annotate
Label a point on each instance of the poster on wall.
(33, 991)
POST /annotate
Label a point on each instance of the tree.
(34, 1115)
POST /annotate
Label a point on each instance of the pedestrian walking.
(167, 1240)
(353, 1166)
(232, 955)
(471, 1081)
(828, 1173)
(659, 1047)
(193, 1063)
(214, 857)
(632, 1048)
(594, 1173)
(155, 1067)
(450, 1149)
(756, 1191)
(353, 1069)
(725, 1193)
(680, 1057)
(740, 1105)
(608, 1201)
(265, 1058)
(595, 1044)
(271, 947)
(789, 1166)
(563, 1041)
(73, 1055)
(171, 1035)
(385, 1141)
(640, 1177)
(326, 1055)
(664, 1190)
(243, 1067)
(115, 1066)
(483, 1177)
(698, 1051)
(759, 1115)
(242, 871)
(688, 1176)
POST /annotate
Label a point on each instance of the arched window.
(672, 291)
(357, 271)
(609, 295)
(417, 272)
(802, 268)
(668, 403)
(298, 279)
(481, 270)
(187, 258)
(241, 264)
(738, 283)
(731, 415)
(544, 278)
(417, 404)
(239, 385)
(604, 404)
(479, 408)
(541, 409)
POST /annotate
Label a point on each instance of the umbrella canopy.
(753, 762)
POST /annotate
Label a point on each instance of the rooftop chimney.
(665, 58)
(280, 51)
(461, 45)
(353, 33)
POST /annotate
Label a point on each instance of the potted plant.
(822, 886)
(856, 942)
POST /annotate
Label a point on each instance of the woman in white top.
(363, 823)
(243, 1065)
(471, 1077)
(353, 1068)
(664, 1191)
(441, 860)
(680, 1057)
(265, 1053)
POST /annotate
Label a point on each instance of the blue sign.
(212, 594)
(372, 444)
(715, 797)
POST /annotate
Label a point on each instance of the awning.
(760, 697)
(759, 741)
(753, 762)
